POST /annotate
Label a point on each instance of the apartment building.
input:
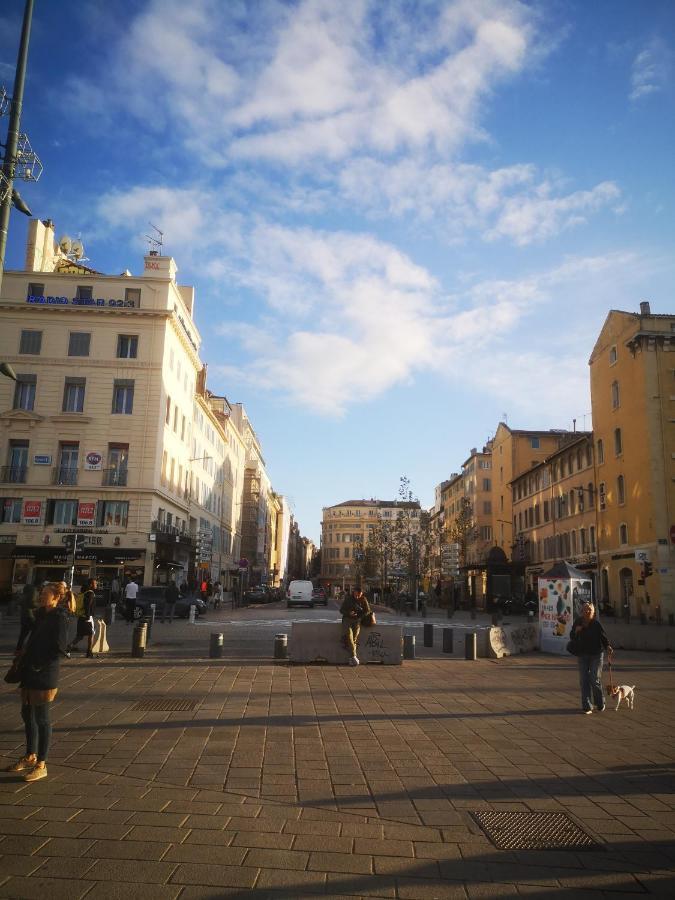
(632, 371)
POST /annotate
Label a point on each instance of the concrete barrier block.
(507, 640)
(322, 642)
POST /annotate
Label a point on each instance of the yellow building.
(633, 400)
(554, 511)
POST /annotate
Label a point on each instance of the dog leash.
(610, 685)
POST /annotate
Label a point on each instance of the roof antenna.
(155, 243)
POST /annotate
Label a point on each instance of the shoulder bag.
(15, 672)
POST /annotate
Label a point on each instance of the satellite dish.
(77, 249)
(65, 243)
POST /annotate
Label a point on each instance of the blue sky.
(404, 220)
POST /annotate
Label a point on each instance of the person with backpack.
(84, 610)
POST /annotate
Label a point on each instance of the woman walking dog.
(588, 641)
(40, 665)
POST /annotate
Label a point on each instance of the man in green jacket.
(353, 609)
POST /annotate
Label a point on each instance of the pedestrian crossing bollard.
(408, 646)
(152, 620)
(139, 640)
(281, 646)
(448, 640)
(113, 610)
(216, 646)
(193, 614)
(428, 635)
(470, 645)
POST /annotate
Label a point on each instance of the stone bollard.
(139, 640)
(193, 614)
(408, 646)
(448, 640)
(281, 646)
(428, 635)
(470, 645)
(216, 646)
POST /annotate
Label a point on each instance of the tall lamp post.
(19, 160)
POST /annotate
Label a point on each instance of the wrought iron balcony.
(64, 475)
(13, 474)
(115, 477)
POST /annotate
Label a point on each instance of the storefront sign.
(32, 512)
(42, 460)
(93, 461)
(78, 301)
(86, 513)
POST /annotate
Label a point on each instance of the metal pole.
(470, 645)
(12, 141)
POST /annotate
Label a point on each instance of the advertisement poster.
(562, 592)
(86, 513)
(32, 512)
(93, 460)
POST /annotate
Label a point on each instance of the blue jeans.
(590, 672)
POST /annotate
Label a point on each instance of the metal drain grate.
(534, 831)
(160, 705)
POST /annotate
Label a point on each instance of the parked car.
(255, 595)
(300, 593)
(155, 594)
(319, 596)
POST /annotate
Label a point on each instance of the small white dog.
(624, 692)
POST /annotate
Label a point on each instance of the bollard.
(408, 646)
(151, 620)
(113, 610)
(451, 612)
(138, 640)
(671, 618)
(530, 615)
(448, 640)
(428, 635)
(281, 646)
(470, 645)
(193, 614)
(216, 646)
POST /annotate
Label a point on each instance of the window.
(35, 289)
(78, 344)
(62, 512)
(486, 484)
(612, 355)
(345, 553)
(573, 543)
(582, 540)
(620, 490)
(601, 451)
(24, 392)
(623, 533)
(618, 443)
(175, 418)
(118, 462)
(562, 468)
(486, 532)
(127, 346)
(182, 430)
(167, 417)
(11, 510)
(114, 512)
(554, 471)
(84, 292)
(67, 467)
(615, 394)
(30, 342)
(572, 502)
(591, 495)
(18, 461)
(123, 397)
(602, 496)
(588, 455)
(487, 506)
(73, 395)
(133, 296)
(534, 443)
(591, 538)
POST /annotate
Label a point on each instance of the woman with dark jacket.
(589, 640)
(40, 665)
(85, 619)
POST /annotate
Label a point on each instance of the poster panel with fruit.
(556, 613)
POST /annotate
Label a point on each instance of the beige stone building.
(632, 369)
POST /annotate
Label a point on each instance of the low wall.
(313, 642)
(639, 637)
(508, 640)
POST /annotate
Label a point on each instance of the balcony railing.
(64, 475)
(115, 477)
(13, 474)
(163, 528)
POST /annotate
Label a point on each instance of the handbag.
(369, 620)
(572, 647)
(14, 674)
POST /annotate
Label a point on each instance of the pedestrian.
(115, 588)
(217, 595)
(40, 665)
(85, 618)
(29, 606)
(203, 589)
(353, 610)
(171, 595)
(130, 594)
(589, 640)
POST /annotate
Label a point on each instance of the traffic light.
(79, 541)
(69, 541)
(648, 569)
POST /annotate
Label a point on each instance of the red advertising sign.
(86, 513)
(32, 512)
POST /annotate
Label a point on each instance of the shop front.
(171, 558)
(37, 564)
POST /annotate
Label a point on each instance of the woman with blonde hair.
(589, 640)
(40, 665)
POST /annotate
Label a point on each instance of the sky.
(405, 221)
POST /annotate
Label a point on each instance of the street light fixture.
(7, 371)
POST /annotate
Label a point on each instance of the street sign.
(642, 556)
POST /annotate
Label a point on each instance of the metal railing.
(13, 474)
(115, 477)
(64, 475)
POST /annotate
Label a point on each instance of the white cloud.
(651, 69)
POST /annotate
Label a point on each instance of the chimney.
(644, 308)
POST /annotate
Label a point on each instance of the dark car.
(155, 594)
(319, 596)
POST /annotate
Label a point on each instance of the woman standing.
(39, 678)
(85, 619)
(589, 640)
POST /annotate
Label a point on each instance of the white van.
(299, 593)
